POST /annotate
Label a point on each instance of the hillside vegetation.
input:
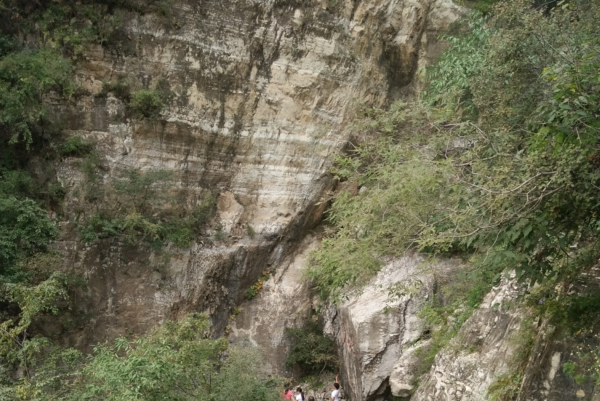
(497, 162)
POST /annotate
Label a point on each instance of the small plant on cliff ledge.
(256, 287)
(220, 233)
(583, 365)
(120, 88)
(75, 146)
(146, 103)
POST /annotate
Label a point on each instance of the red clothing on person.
(287, 396)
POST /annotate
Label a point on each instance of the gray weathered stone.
(377, 332)
(284, 301)
(481, 351)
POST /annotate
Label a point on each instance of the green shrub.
(17, 183)
(182, 230)
(506, 387)
(146, 103)
(75, 146)
(204, 212)
(574, 313)
(99, 227)
(20, 184)
(121, 88)
(177, 360)
(220, 234)
(583, 365)
(256, 287)
(483, 6)
(311, 350)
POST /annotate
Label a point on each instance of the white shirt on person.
(299, 397)
(335, 395)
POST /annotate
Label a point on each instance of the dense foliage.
(499, 160)
(24, 230)
(25, 77)
(177, 361)
(312, 351)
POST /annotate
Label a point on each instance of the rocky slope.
(376, 330)
(481, 352)
(500, 350)
(260, 91)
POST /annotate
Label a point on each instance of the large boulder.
(378, 329)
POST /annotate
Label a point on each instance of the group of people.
(288, 393)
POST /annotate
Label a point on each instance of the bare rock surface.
(544, 378)
(481, 352)
(259, 92)
(284, 301)
(377, 330)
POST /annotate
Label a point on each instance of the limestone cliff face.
(260, 91)
(284, 301)
(487, 358)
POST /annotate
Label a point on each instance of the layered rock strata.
(258, 92)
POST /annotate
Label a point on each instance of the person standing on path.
(287, 393)
(335, 394)
(300, 396)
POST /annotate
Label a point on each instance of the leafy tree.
(449, 82)
(177, 361)
(35, 356)
(24, 229)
